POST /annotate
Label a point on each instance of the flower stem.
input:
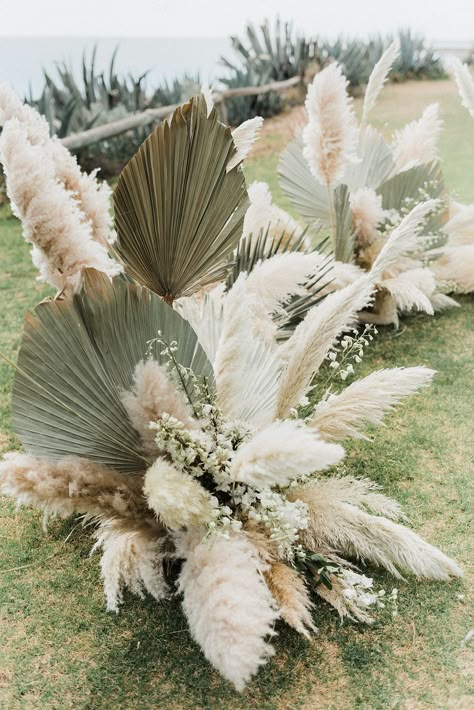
(332, 216)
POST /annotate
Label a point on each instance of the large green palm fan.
(77, 357)
(179, 210)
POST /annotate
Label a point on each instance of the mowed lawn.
(58, 646)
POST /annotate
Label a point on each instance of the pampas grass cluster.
(237, 493)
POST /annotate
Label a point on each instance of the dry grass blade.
(178, 211)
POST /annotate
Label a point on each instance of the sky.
(436, 19)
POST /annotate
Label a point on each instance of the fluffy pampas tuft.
(465, 83)
(290, 593)
(367, 400)
(378, 78)
(331, 135)
(265, 217)
(230, 610)
(417, 142)
(282, 453)
(131, 559)
(244, 137)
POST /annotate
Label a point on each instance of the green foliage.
(417, 60)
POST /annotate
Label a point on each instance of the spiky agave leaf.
(78, 356)
(178, 209)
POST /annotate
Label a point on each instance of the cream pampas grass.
(455, 266)
(412, 290)
(460, 225)
(345, 528)
(244, 137)
(131, 559)
(314, 336)
(367, 400)
(331, 135)
(292, 597)
(465, 83)
(153, 393)
(367, 214)
(51, 217)
(281, 453)
(71, 485)
(246, 367)
(178, 500)
(378, 78)
(404, 240)
(92, 197)
(229, 607)
(417, 142)
(263, 216)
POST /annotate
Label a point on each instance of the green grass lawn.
(58, 646)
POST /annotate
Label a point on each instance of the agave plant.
(345, 177)
(192, 440)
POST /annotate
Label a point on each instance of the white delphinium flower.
(177, 499)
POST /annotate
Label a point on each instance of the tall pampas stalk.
(53, 222)
(378, 78)
(330, 137)
(367, 400)
(345, 528)
(417, 142)
(229, 608)
(465, 83)
(314, 336)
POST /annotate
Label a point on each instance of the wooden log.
(137, 120)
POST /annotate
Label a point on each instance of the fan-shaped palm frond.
(178, 212)
(78, 356)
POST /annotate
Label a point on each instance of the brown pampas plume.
(153, 393)
(290, 593)
(71, 485)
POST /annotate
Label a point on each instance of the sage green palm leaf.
(77, 357)
(307, 195)
(415, 185)
(178, 210)
(375, 163)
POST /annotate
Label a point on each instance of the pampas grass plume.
(378, 77)
(417, 142)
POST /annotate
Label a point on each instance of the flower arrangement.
(342, 175)
(169, 413)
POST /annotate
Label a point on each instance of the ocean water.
(22, 59)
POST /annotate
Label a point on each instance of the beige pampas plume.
(131, 559)
(455, 266)
(92, 197)
(265, 217)
(230, 610)
(246, 367)
(367, 214)
(292, 597)
(417, 142)
(281, 453)
(404, 239)
(345, 528)
(413, 290)
(330, 137)
(51, 217)
(378, 78)
(465, 83)
(244, 137)
(153, 393)
(460, 225)
(71, 485)
(366, 401)
(178, 500)
(11, 106)
(305, 351)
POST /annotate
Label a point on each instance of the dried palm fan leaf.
(178, 211)
(78, 356)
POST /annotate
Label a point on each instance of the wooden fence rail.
(144, 118)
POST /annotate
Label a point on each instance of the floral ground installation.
(174, 395)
